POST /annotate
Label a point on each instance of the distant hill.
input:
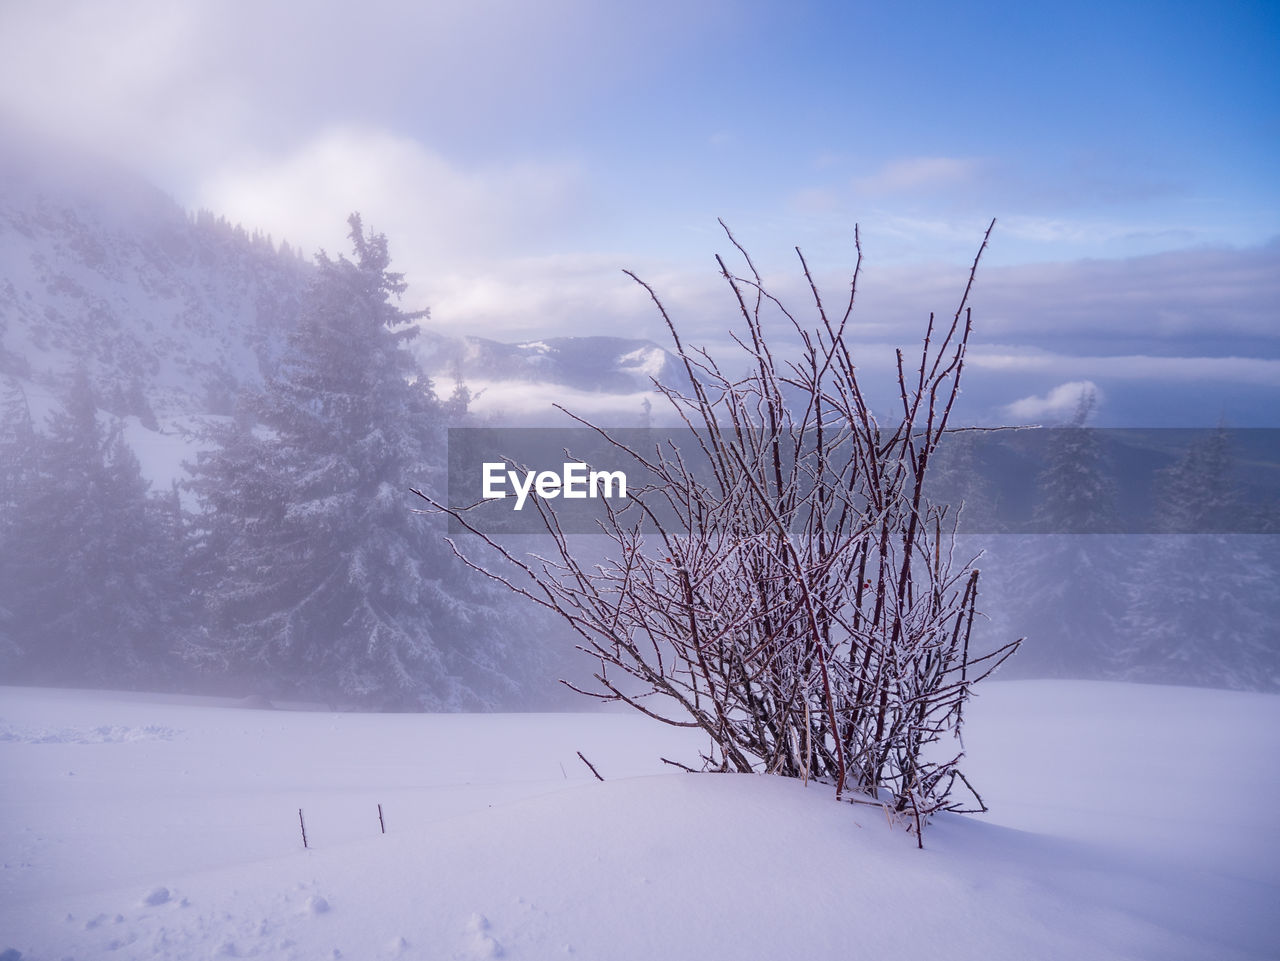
(610, 364)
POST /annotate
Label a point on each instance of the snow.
(163, 454)
(1127, 822)
(101, 269)
(511, 402)
(645, 361)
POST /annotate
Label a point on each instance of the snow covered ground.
(1127, 822)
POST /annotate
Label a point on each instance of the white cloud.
(916, 174)
(1058, 404)
(175, 88)
(436, 213)
(525, 403)
(462, 235)
(136, 79)
(518, 298)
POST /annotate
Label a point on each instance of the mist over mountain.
(172, 313)
(169, 313)
(156, 368)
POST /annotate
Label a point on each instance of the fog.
(269, 270)
(151, 356)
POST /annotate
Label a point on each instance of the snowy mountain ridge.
(168, 313)
(615, 365)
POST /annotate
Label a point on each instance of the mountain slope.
(169, 313)
(172, 313)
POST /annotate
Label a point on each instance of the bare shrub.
(808, 610)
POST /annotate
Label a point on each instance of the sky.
(518, 155)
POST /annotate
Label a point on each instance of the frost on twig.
(806, 609)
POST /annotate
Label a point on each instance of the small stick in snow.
(303, 825)
(919, 839)
(592, 766)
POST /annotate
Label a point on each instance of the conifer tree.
(1068, 593)
(325, 583)
(1203, 602)
(17, 454)
(86, 583)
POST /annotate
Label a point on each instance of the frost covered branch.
(806, 608)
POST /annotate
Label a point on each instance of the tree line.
(1193, 601)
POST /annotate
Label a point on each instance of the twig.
(916, 810)
(683, 767)
(592, 766)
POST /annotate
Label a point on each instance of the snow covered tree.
(86, 580)
(322, 582)
(1203, 602)
(17, 459)
(1068, 584)
(1076, 492)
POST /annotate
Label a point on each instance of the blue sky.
(518, 154)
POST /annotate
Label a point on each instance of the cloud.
(530, 404)
(1203, 316)
(462, 235)
(437, 214)
(525, 297)
(1059, 404)
(917, 174)
(1255, 371)
(1213, 298)
(1200, 302)
(175, 88)
(153, 84)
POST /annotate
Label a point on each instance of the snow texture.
(1111, 835)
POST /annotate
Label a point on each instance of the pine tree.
(1076, 492)
(1203, 603)
(325, 583)
(1068, 590)
(17, 461)
(85, 585)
